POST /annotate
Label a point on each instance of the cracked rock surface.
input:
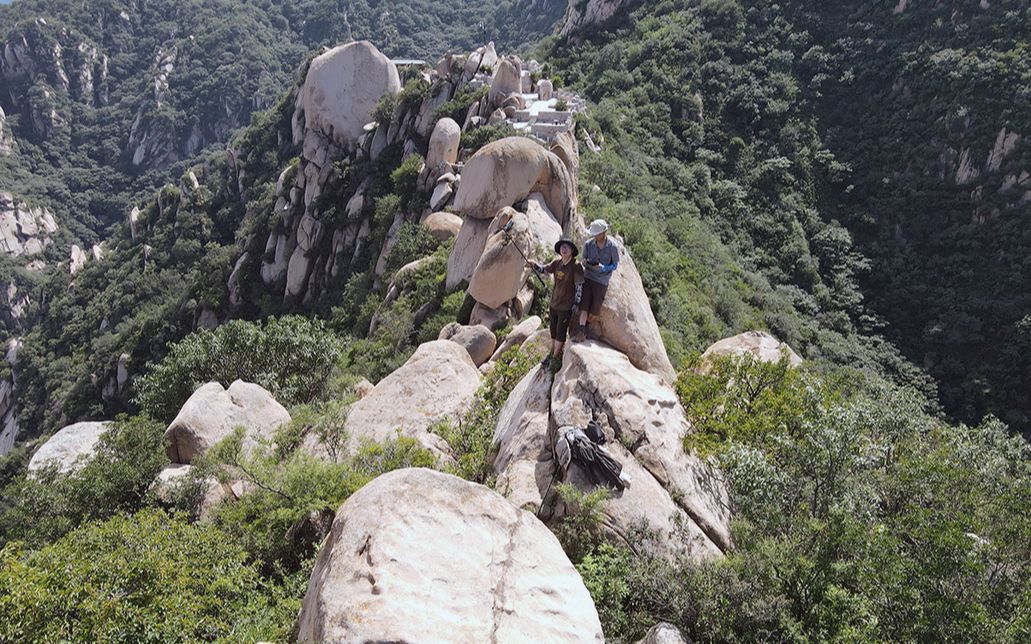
(674, 492)
(421, 556)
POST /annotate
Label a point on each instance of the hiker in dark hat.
(601, 257)
(565, 297)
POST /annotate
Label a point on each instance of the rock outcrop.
(417, 555)
(436, 384)
(581, 14)
(343, 87)
(212, 413)
(442, 152)
(170, 481)
(524, 463)
(757, 344)
(505, 172)
(672, 490)
(24, 230)
(627, 323)
(478, 340)
(663, 633)
(70, 448)
(442, 226)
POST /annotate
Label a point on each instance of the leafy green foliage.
(147, 577)
(290, 356)
(472, 438)
(284, 489)
(858, 517)
(45, 505)
(579, 531)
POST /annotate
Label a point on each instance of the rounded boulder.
(421, 556)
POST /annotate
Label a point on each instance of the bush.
(285, 489)
(471, 440)
(45, 505)
(290, 356)
(147, 577)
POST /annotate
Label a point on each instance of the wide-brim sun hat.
(598, 226)
(564, 240)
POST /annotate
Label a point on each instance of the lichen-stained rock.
(70, 448)
(342, 89)
(758, 344)
(507, 171)
(212, 413)
(438, 383)
(627, 323)
(478, 340)
(524, 461)
(647, 426)
(421, 556)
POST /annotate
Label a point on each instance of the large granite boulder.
(682, 498)
(438, 383)
(421, 556)
(442, 226)
(507, 171)
(507, 80)
(757, 344)
(212, 413)
(70, 448)
(627, 323)
(469, 243)
(171, 481)
(342, 89)
(442, 151)
(664, 633)
(478, 340)
(524, 462)
(501, 270)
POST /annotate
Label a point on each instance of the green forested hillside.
(828, 145)
(103, 96)
(789, 166)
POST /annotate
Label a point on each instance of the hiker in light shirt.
(600, 259)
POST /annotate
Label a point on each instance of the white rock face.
(507, 171)
(545, 89)
(478, 340)
(627, 323)
(420, 556)
(70, 448)
(343, 87)
(437, 383)
(506, 80)
(212, 413)
(24, 230)
(757, 344)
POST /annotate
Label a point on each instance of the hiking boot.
(580, 333)
(546, 362)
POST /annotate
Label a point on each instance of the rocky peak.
(24, 229)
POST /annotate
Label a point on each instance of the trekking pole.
(507, 230)
(544, 498)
